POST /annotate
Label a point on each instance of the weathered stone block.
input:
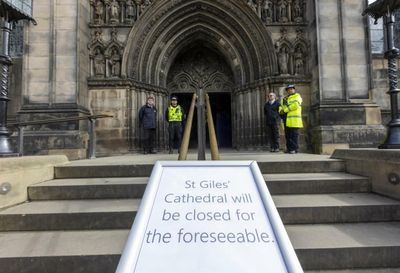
(16, 171)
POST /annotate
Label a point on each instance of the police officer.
(174, 115)
(272, 120)
(148, 122)
(291, 109)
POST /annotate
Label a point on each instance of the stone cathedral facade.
(107, 56)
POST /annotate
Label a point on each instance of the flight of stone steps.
(80, 221)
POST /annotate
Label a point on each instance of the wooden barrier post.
(211, 131)
(188, 128)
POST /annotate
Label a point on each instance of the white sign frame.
(136, 237)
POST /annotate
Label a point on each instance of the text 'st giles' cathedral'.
(108, 56)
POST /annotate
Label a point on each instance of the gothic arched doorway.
(227, 34)
(200, 62)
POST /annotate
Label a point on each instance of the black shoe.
(145, 152)
(153, 152)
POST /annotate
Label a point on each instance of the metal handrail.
(92, 128)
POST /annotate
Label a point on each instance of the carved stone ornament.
(105, 57)
(98, 7)
(279, 11)
(114, 12)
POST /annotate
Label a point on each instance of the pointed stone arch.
(231, 27)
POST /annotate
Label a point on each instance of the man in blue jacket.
(148, 122)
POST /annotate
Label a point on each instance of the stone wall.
(55, 69)
(347, 115)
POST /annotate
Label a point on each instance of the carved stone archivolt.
(227, 24)
(105, 56)
(116, 12)
(279, 11)
(292, 55)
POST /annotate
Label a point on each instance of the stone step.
(61, 251)
(319, 247)
(336, 208)
(119, 213)
(316, 183)
(70, 215)
(344, 246)
(297, 165)
(89, 188)
(133, 187)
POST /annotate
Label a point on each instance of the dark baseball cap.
(174, 98)
(290, 86)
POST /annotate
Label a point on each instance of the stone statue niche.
(284, 60)
(130, 12)
(98, 63)
(114, 10)
(283, 11)
(298, 11)
(114, 63)
(98, 12)
(267, 14)
(299, 61)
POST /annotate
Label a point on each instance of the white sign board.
(208, 217)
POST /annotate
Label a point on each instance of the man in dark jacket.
(148, 122)
(272, 120)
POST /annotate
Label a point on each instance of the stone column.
(5, 63)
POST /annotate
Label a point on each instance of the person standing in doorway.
(291, 107)
(148, 123)
(174, 116)
(272, 120)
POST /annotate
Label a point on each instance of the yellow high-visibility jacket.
(174, 113)
(292, 107)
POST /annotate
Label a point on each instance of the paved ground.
(226, 155)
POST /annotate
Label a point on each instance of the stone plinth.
(19, 173)
(381, 166)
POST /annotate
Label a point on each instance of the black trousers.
(273, 135)
(292, 139)
(175, 135)
(148, 140)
